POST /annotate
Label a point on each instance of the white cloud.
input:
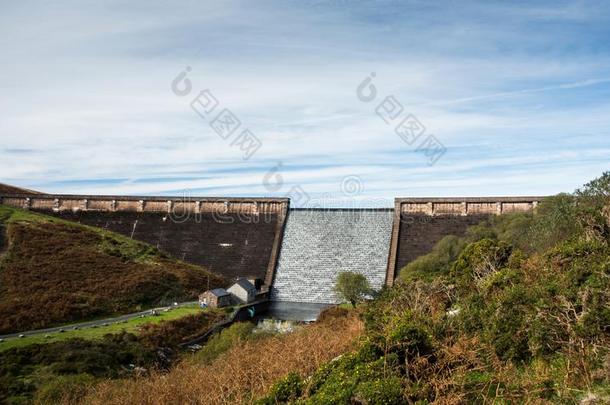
(89, 96)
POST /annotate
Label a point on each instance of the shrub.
(287, 389)
(409, 339)
(352, 287)
(387, 391)
(437, 262)
(480, 260)
(556, 220)
(505, 324)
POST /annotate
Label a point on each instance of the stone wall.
(318, 244)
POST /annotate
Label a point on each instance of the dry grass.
(242, 374)
(53, 272)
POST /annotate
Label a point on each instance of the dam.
(296, 253)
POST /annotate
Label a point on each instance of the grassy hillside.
(240, 374)
(43, 373)
(54, 272)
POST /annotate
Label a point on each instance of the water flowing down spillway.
(319, 244)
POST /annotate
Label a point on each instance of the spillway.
(319, 244)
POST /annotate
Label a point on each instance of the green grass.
(131, 325)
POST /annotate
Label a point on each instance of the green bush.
(287, 389)
(480, 260)
(505, 324)
(437, 262)
(352, 287)
(556, 220)
(338, 381)
(409, 339)
(387, 391)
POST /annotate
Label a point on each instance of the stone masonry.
(319, 244)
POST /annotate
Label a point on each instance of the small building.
(256, 282)
(243, 291)
(216, 298)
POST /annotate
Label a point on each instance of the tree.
(352, 287)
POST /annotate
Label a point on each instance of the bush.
(387, 391)
(287, 389)
(556, 220)
(505, 324)
(437, 262)
(409, 339)
(352, 287)
(479, 260)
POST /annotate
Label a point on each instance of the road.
(89, 324)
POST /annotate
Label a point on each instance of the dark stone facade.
(419, 233)
(236, 246)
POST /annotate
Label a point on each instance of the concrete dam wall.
(298, 252)
(319, 244)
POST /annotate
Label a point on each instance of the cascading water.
(319, 244)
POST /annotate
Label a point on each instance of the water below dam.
(293, 311)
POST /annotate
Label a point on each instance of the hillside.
(54, 272)
(517, 311)
(8, 189)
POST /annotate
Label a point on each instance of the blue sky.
(517, 92)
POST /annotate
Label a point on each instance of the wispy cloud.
(517, 92)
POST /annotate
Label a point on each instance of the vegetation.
(180, 330)
(220, 343)
(352, 287)
(65, 369)
(134, 325)
(517, 311)
(241, 374)
(54, 271)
